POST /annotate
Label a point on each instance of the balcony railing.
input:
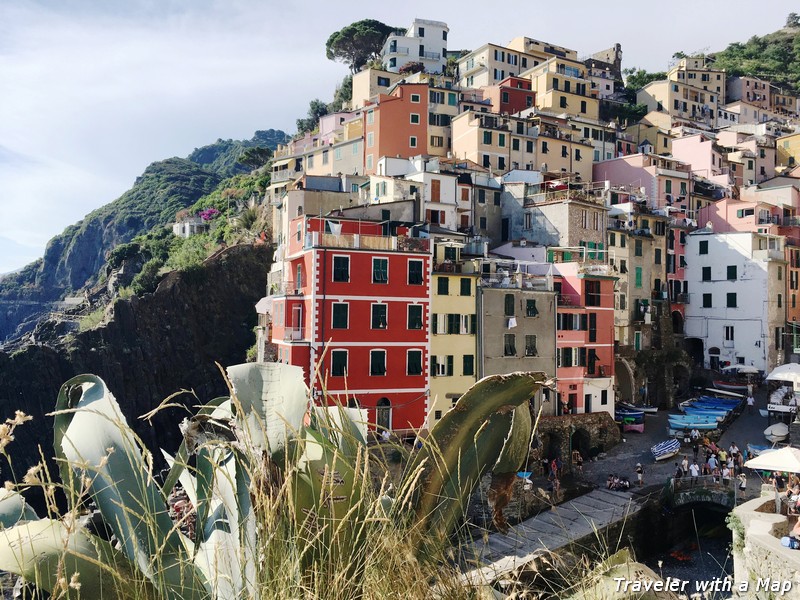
(284, 175)
(398, 50)
(520, 281)
(367, 242)
(682, 298)
(430, 55)
(293, 334)
(447, 267)
(284, 288)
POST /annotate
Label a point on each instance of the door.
(505, 230)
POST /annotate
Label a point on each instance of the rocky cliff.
(150, 348)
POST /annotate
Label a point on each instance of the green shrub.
(147, 279)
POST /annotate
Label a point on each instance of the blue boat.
(666, 450)
(708, 412)
(680, 426)
(729, 401)
(693, 418)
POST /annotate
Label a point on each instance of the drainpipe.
(322, 306)
(479, 332)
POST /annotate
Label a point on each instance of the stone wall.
(759, 559)
(590, 433)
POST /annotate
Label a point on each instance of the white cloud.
(95, 91)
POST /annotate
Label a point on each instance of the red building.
(511, 95)
(585, 338)
(353, 311)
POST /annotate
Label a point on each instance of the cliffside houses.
(452, 224)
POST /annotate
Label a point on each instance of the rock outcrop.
(150, 348)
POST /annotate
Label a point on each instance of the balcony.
(430, 55)
(293, 334)
(318, 239)
(398, 50)
(768, 255)
(599, 371)
(285, 175)
(284, 288)
(519, 281)
(682, 298)
(447, 267)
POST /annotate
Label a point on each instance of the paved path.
(499, 554)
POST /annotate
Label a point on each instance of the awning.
(282, 162)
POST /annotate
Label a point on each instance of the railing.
(682, 298)
(398, 50)
(520, 281)
(367, 242)
(284, 175)
(293, 334)
(447, 267)
(281, 288)
(688, 482)
(768, 254)
(430, 55)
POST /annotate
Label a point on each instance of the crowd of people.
(714, 461)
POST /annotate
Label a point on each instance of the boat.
(666, 450)
(624, 412)
(637, 427)
(732, 386)
(647, 410)
(724, 393)
(692, 418)
(763, 412)
(707, 412)
(699, 425)
(724, 401)
(755, 450)
(777, 432)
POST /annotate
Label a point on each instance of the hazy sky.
(92, 91)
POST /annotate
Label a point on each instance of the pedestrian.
(577, 460)
(685, 465)
(695, 434)
(751, 403)
(742, 482)
(640, 473)
(726, 475)
(694, 470)
(678, 471)
(712, 462)
(733, 450)
(686, 436)
(696, 450)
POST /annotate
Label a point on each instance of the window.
(414, 119)
(562, 102)
(731, 300)
(379, 316)
(732, 272)
(657, 259)
(703, 247)
(421, 31)
(780, 300)
(509, 344)
(466, 286)
(377, 362)
(442, 286)
(544, 147)
(383, 81)
(380, 270)
(637, 247)
(415, 316)
(638, 277)
(728, 333)
(706, 300)
(515, 144)
(412, 141)
(583, 106)
(592, 293)
(780, 273)
(415, 98)
(482, 223)
(623, 240)
(623, 264)
(564, 151)
(508, 303)
(487, 137)
(453, 324)
(414, 362)
(370, 139)
(501, 140)
(622, 302)
(442, 366)
(530, 345)
(612, 239)
(340, 315)
(468, 365)
(530, 308)
(341, 268)
(338, 363)
(706, 273)
(415, 272)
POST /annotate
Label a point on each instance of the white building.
(425, 41)
(736, 297)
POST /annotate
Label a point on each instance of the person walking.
(751, 403)
(640, 473)
(685, 465)
(694, 470)
(696, 450)
(742, 483)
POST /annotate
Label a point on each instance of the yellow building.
(453, 354)
(369, 83)
(562, 86)
(788, 150)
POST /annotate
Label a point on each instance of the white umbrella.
(747, 370)
(785, 459)
(787, 372)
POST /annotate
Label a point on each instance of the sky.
(91, 92)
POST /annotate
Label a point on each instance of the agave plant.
(317, 457)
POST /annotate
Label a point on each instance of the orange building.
(396, 124)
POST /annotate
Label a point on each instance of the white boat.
(754, 450)
(777, 432)
(763, 412)
(666, 450)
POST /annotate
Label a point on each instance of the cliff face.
(152, 347)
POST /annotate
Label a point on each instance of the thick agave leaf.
(462, 446)
(329, 489)
(95, 446)
(45, 551)
(517, 446)
(274, 400)
(226, 523)
(14, 509)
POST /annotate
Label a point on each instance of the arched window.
(383, 414)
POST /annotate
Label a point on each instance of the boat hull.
(730, 386)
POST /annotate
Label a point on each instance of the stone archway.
(551, 445)
(681, 378)
(677, 322)
(581, 440)
(694, 348)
